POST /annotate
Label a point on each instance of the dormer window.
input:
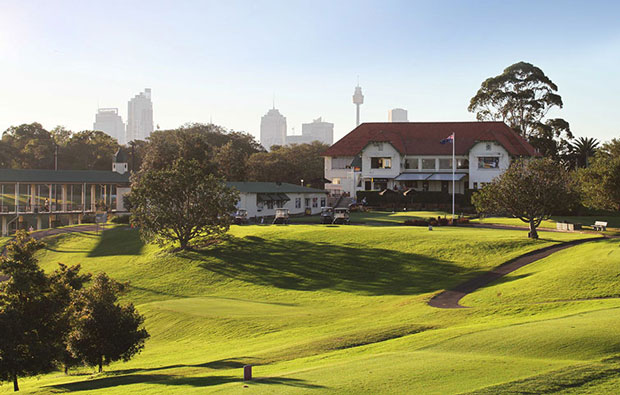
(489, 146)
(381, 163)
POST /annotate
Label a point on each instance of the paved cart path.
(40, 234)
(449, 299)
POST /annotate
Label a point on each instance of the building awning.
(446, 177)
(272, 197)
(413, 176)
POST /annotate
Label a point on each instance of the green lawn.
(343, 309)
(377, 217)
(586, 221)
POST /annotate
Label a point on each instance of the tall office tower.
(108, 121)
(358, 100)
(140, 116)
(397, 115)
(318, 130)
(272, 129)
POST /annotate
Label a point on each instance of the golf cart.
(341, 216)
(241, 217)
(282, 216)
(327, 215)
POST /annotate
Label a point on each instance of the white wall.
(373, 151)
(486, 175)
(248, 201)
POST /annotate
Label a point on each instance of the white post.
(16, 197)
(453, 171)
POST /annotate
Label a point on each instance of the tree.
(232, 162)
(582, 150)
(201, 143)
(181, 204)
(61, 135)
(104, 331)
(599, 183)
(531, 190)
(66, 282)
(521, 97)
(30, 147)
(28, 343)
(88, 150)
(289, 163)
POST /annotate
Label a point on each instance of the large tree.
(104, 331)
(521, 97)
(213, 147)
(531, 190)
(289, 163)
(28, 330)
(88, 150)
(30, 147)
(600, 182)
(182, 204)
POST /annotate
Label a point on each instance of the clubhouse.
(411, 156)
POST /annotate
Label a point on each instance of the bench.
(600, 225)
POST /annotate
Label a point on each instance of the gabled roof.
(63, 176)
(423, 138)
(271, 187)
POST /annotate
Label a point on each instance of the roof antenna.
(358, 80)
(273, 101)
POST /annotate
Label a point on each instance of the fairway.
(343, 309)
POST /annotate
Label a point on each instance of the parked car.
(327, 215)
(282, 216)
(341, 216)
(241, 217)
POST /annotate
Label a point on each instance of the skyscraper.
(272, 129)
(108, 121)
(140, 116)
(317, 130)
(397, 115)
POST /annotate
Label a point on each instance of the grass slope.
(334, 309)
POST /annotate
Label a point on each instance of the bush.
(120, 219)
(416, 222)
(88, 219)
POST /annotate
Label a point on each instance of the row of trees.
(49, 321)
(235, 156)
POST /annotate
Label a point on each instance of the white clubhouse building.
(409, 155)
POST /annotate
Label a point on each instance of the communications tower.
(358, 99)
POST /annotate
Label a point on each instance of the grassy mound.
(339, 309)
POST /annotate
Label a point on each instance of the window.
(336, 181)
(411, 184)
(411, 164)
(428, 164)
(462, 163)
(297, 202)
(307, 202)
(381, 163)
(489, 146)
(323, 202)
(315, 202)
(444, 186)
(475, 185)
(488, 162)
(270, 205)
(425, 186)
(341, 162)
(445, 163)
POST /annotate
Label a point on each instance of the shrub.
(120, 219)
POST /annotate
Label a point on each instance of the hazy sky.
(226, 59)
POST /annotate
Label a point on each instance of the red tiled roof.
(423, 138)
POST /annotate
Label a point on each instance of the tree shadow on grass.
(119, 241)
(301, 265)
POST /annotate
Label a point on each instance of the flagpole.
(453, 171)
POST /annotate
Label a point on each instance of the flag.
(449, 139)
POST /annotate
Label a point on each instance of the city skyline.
(429, 59)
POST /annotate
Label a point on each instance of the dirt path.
(40, 234)
(450, 299)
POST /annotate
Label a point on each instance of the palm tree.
(582, 149)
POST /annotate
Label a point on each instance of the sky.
(225, 61)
